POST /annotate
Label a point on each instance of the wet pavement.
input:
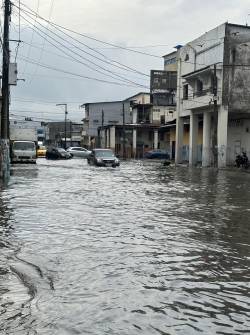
(141, 249)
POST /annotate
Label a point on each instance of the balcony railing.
(202, 93)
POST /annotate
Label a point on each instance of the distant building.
(100, 114)
(148, 129)
(170, 61)
(55, 134)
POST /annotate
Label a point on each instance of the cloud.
(127, 23)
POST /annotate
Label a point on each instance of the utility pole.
(71, 133)
(100, 137)
(5, 94)
(65, 124)
(5, 73)
(123, 132)
(215, 115)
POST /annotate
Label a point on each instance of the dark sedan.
(57, 153)
(103, 157)
(157, 154)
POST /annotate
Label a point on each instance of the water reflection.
(143, 249)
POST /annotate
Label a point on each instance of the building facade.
(55, 133)
(213, 97)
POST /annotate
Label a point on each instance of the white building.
(213, 96)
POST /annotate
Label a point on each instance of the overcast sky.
(152, 27)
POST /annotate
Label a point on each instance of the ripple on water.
(137, 250)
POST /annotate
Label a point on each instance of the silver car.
(79, 152)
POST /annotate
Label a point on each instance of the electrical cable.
(44, 40)
(107, 60)
(94, 39)
(32, 36)
(19, 32)
(74, 74)
(115, 74)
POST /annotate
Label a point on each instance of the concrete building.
(149, 129)
(100, 114)
(55, 133)
(213, 100)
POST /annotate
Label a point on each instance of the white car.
(79, 152)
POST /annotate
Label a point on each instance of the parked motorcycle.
(242, 161)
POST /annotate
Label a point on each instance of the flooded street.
(140, 249)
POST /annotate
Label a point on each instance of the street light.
(65, 123)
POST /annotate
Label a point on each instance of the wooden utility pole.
(5, 73)
(65, 124)
(215, 117)
(4, 147)
(123, 132)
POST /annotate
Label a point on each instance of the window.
(199, 86)
(169, 61)
(185, 92)
(233, 55)
(163, 119)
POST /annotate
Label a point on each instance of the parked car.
(41, 151)
(57, 153)
(79, 152)
(157, 154)
(103, 157)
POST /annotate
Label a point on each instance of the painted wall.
(236, 76)
(195, 55)
(238, 138)
(112, 115)
(168, 112)
(170, 62)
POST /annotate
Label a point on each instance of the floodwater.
(141, 249)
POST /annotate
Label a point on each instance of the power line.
(19, 32)
(32, 36)
(115, 74)
(107, 60)
(92, 38)
(58, 55)
(74, 74)
(44, 40)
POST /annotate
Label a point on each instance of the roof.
(170, 54)
(237, 25)
(197, 71)
(133, 96)
(115, 101)
(102, 102)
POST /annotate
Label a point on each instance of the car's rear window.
(104, 153)
(24, 146)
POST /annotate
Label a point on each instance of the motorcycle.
(242, 161)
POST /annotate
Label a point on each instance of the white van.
(23, 152)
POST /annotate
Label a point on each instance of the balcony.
(203, 92)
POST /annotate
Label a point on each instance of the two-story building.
(100, 114)
(213, 115)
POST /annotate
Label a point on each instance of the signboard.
(162, 81)
(12, 73)
(163, 85)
